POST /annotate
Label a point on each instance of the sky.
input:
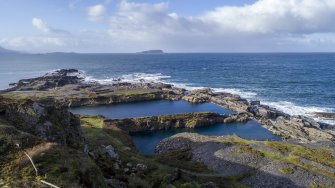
(114, 26)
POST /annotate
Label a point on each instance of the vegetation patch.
(93, 121)
(286, 170)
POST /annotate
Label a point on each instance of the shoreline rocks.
(330, 116)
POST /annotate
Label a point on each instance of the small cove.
(146, 142)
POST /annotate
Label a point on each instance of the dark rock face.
(51, 123)
(325, 115)
(58, 78)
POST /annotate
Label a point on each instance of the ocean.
(296, 83)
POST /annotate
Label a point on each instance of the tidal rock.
(325, 115)
(255, 103)
(58, 78)
(298, 128)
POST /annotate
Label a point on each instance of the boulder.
(110, 151)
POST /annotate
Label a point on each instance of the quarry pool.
(146, 142)
(149, 108)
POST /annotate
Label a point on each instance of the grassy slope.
(60, 165)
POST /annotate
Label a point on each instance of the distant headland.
(7, 51)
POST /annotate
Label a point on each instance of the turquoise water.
(149, 108)
(145, 143)
(296, 83)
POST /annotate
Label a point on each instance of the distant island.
(152, 52)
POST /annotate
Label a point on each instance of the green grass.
(94, 121)
(127, 93)
(294, 154)
(286, 170)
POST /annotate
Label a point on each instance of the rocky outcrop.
(227, 100)
(52, 137)
(293, 127)
(58, 78)
(69, 88)
(256, 161)
(165, 122)
(326, 115)
(52, 123)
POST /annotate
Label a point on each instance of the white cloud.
(260, 26)
(96, 12)
(275, 16)
(40, 25)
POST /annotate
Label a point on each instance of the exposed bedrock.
(165, 122)
(257, 163)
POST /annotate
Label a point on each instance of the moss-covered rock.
(50, 122)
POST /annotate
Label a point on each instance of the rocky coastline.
(34, 115)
